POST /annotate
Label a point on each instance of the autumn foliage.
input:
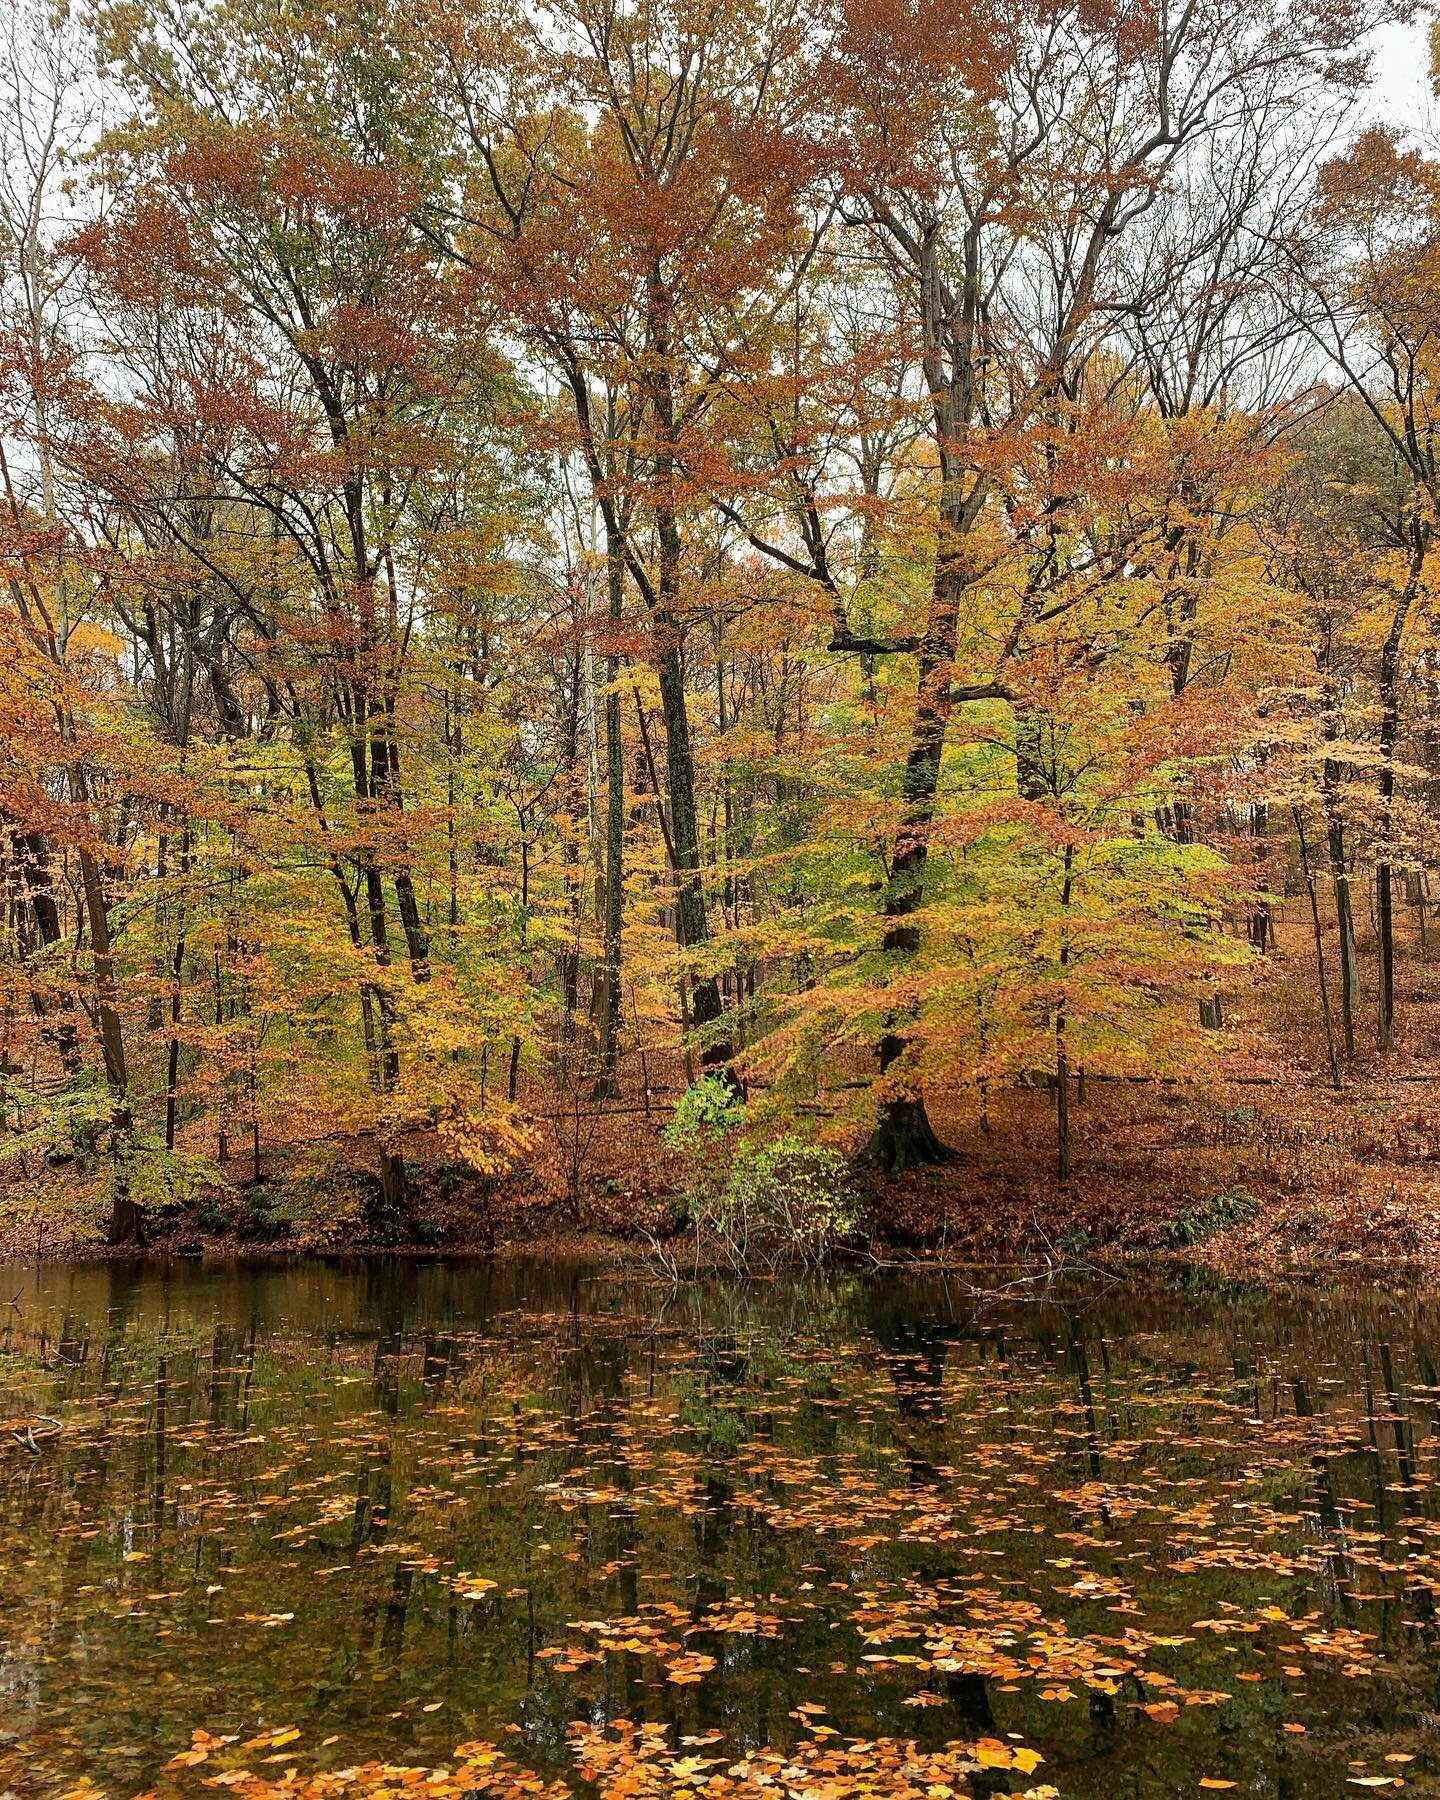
(862, 552)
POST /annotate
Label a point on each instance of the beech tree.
(1366, 292)
(854, 548)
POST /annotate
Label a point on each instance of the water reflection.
(1162, 1535)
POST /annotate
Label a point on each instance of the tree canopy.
(828, 552)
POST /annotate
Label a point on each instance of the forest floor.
(1254, 1167)
(1257, 1168)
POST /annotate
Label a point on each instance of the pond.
(1169, 1538)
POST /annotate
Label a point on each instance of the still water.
(1164, 1536)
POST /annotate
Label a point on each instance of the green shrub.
(264, 1214)
(1231, 1206)
(755, 1205)
(704, 1114)
(209, 1215)
(777, 1203)
(1072, 1243)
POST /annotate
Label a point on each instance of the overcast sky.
(1400, 92)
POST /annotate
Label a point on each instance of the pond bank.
(1074, 1232)
(1246, 1179)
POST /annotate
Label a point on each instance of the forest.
(734, 618)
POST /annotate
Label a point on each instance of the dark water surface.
(1153, 1531)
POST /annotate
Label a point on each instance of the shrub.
(263, 1214)
(783, 1202)
(755, 1205)
(209, 1215)
(704, 1114)
(1231, 1206)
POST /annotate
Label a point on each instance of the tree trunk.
(1062, 1059)
(1261, 928)
(126, 1223)
(1309, 875)
(38, 885)
(574, 879)
(385, 788)
(903, 1137)
(607, 1085)
(380, 1012)
(1385, 944)
(177, 968)
(706, 1008)
(1389, 731)
(1344, 914)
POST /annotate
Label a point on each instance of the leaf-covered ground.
(316, 1529)
(1252, 1166)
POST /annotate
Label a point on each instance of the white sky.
(1400, 85)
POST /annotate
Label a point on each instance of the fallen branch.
(26, 1437)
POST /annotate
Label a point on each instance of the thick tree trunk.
(1261, 927)
(39, 884)
(126, 1223)
(379, 1007)
(706, 1006)
(948, 328)
(903, 1137)
(394, 1207)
